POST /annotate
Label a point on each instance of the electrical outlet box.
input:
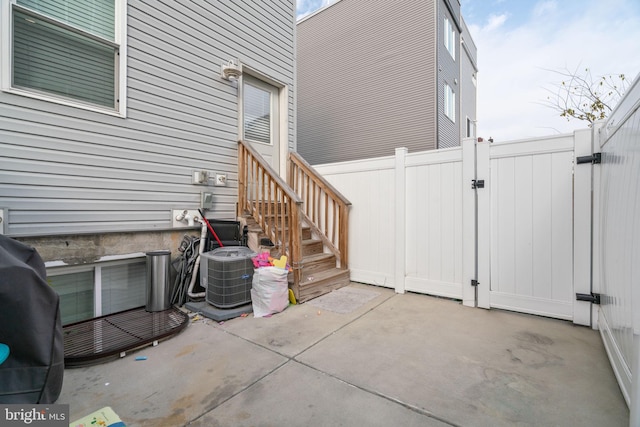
(206, 200)
(199, 177)
(221, 180)
(184, 218)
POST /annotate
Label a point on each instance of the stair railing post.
(343, 235)
(242, 180)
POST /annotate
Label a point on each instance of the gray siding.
(65, 170)
(448, 73)
(468, 72)
(366, 80)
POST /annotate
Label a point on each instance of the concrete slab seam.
(343, 326)
(293, 359)
(310, 346)
(207, 410)
(384, 396)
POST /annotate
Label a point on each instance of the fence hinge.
(592, 298)
(477, 183)
(474, 282)
(594, 159)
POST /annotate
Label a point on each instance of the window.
(470, 128)
(449, 102)
(257, 113)
(92, 291)
(449, 38)
(259, 118)
(68, 51)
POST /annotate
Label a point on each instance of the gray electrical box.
(206, 200)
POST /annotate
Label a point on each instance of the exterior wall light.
(230, 71)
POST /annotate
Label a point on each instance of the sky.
(522, 44)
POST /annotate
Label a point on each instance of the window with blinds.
(66, 48)
(257, 114)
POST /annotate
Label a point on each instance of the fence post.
(468, 222)
(483, 171)
(598, 140)
(400, 220)
(582, 239)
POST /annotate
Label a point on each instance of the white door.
(260, 118)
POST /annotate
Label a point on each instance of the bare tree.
(581, 96)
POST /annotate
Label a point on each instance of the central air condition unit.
(226, 274)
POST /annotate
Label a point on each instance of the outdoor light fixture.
(230, 71)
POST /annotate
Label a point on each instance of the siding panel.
(448, 73)
(366, 80)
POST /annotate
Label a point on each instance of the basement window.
(97, 290)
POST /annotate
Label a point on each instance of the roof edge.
(323, 8)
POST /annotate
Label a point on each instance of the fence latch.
(592, 298)
(477, 183)
(474, 282)
(594, 159)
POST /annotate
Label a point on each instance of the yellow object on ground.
(292, 297)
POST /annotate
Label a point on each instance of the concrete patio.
(397, 360)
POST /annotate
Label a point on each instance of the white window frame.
(450, 38)
(274, 93)
(6, 55)
(282, 125)
(471, 128)
(449, 102)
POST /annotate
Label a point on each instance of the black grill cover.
(30, 325)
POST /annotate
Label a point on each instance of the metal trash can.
(158, 281)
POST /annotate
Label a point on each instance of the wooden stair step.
(311, 247)
(317, 262)
(322, 282)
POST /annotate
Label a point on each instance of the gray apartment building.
(376, 75)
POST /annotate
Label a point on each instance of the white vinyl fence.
(417, 224)
(618, 257)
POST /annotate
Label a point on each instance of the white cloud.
(544, 8)
(495, 22)
(513, 62)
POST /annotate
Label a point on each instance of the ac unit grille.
(227, 275)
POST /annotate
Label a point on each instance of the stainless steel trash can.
(158, 282)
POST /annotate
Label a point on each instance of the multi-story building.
(373, 76)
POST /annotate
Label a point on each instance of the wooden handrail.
(325, 209)
(272, 203)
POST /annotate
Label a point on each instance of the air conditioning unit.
(226, 275)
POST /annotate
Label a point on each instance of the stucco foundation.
(90, 248)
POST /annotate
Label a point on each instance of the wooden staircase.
(305, 219)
